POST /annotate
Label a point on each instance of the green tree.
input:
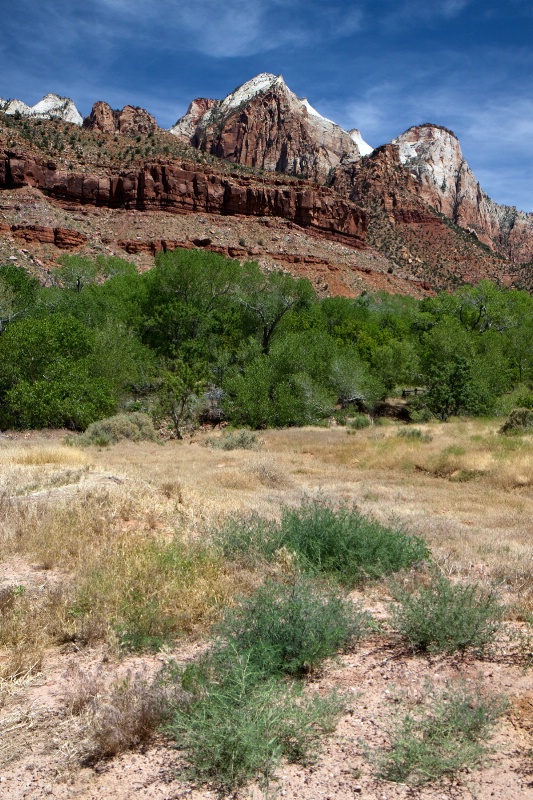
(269, 297)
(178, 396)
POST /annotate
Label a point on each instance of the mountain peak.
(253, 87)
(52, 106)
(263, 124)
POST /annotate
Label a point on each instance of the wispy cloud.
(413, 13)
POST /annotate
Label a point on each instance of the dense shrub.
(359, 422)
(291, 628)
(520, 420)
(443, 617)
(134, 426)
(338, 541)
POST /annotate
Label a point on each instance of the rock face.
(131, 121)
(440, 175)
(263, 124)
(184, 188)
(64, 238)
(52, 106)
(185, 128)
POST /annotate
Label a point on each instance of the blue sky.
(377, 65)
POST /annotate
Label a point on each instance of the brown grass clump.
(122, 717)
(29, 623)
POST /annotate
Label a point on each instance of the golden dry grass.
(43, 454)
(127, 528)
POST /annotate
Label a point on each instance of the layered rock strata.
(180, 188)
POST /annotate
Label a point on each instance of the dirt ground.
(479, 528)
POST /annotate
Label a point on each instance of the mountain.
(52, 106)
(441, 176)
(257, 175)
(263, 124)
(131, 121)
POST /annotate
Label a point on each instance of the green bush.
(236, 440)
(442, 737)
(234, 726)
(292, 628)
(520, 420)
(323, 538)
(445, 618)
(68, 397)
(359, 422)
(135, 426)
(415, 434)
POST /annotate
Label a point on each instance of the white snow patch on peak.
(313, 111)
(249, 89)
(55, 106)
(364, 148)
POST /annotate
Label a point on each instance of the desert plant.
(134, 426)
(414, 434)
(520, 420)
(234, 725)
(359, 422)
(292, 627)
(236, 440)
(125, 716)
(444, 735)
(443, 617)
(335, 540)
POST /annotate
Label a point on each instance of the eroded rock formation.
(182, 188)
(263, 124)
(441, 176)
(131, 121)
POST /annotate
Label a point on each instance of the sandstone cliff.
(131, 121)
(441, 176)
(184, 188)
(263, 124)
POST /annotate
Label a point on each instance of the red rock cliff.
(182, 188)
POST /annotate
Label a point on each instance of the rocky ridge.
(414, 201)
(130, 121)
(441, 176)
(52, 106)
(263, 124)
(186, 188)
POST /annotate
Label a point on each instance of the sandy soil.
(465, 525)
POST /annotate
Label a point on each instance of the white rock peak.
(52, 106)
(364, 147)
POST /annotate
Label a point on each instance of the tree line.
(204, 337)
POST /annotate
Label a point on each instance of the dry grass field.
(108, 571)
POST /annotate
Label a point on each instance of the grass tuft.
(236, 440)
(446, 618)
(447, 734)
